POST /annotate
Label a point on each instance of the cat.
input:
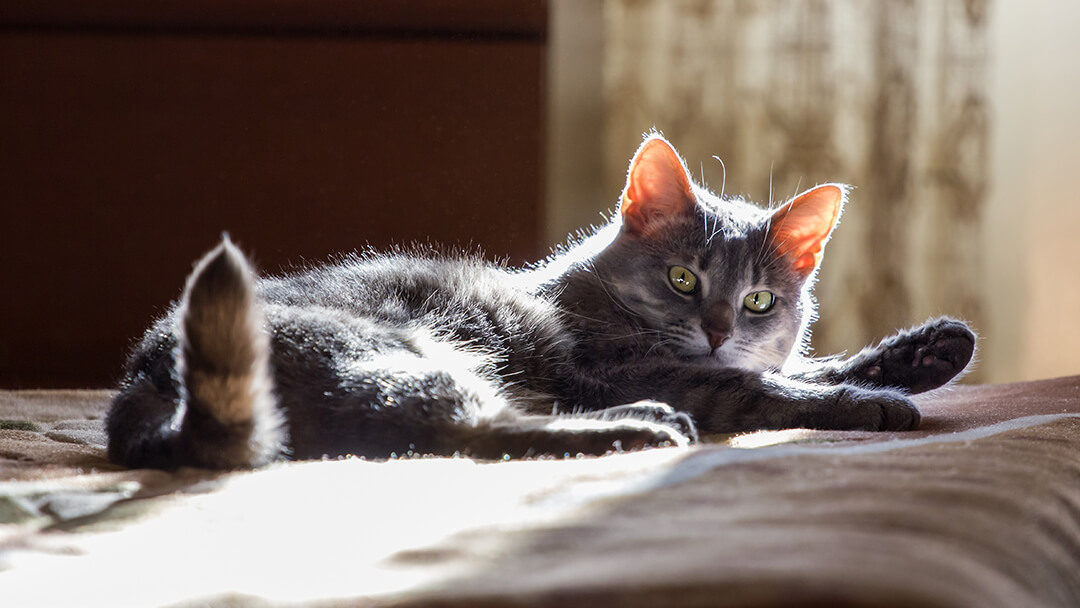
(687, 313)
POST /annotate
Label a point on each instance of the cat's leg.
(423, 410)
(786, 403)
(727, 400)
(527, 435)
(915, 360)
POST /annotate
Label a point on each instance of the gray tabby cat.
(686, 313)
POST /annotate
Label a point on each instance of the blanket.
(979, 507)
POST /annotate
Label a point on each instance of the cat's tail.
(231, 419)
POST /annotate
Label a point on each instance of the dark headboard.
(132, 134)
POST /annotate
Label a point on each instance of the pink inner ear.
(657, 186)
(800, 228)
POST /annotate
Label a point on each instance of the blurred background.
(133, 134)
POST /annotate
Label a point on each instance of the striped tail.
(223, 362)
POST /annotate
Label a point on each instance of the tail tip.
(224, 270)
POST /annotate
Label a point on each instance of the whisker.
(619, 336)
(657, 345)
(723, 182)
(768, 247)
(603, 286)
(771, 165)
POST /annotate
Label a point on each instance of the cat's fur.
(598, 348)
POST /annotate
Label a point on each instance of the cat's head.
(720, 280)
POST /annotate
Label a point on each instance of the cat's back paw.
(649, 435)
(597, 437)
(923, 358)
(651, 411)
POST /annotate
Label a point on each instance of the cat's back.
(455, 295)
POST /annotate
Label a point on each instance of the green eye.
(682, 279)
(759, 301)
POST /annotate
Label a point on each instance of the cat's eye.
(759, 301)
(682, 279)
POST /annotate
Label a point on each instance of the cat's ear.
(799, 229)
(657, 187)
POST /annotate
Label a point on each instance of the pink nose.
(716, 338)
(717, 323)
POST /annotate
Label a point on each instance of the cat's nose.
(717, 338)
(717, 323)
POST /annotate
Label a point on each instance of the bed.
(979, 507)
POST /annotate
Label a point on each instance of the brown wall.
(129, 143)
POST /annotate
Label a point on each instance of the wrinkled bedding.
(980, 507)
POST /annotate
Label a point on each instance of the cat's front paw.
(917, 360)
(875, 410)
